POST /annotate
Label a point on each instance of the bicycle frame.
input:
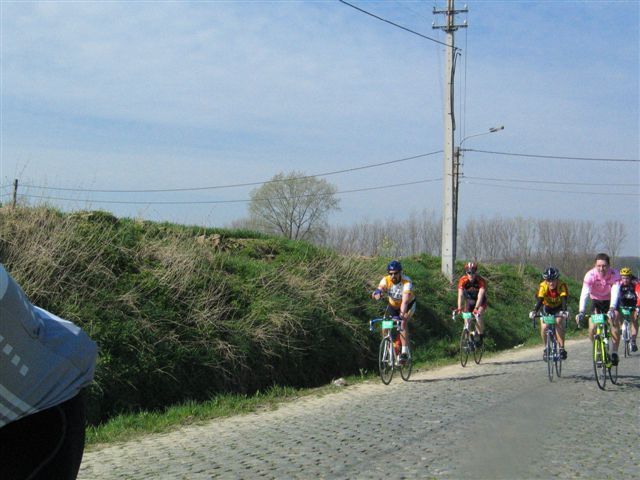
(602, 364)
(467, 338)
(552, 350)
(387, 355)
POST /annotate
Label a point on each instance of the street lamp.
(456, 181)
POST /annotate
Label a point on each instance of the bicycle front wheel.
(464, 347)
(599, 362)
(386, 358)
(626, 340)
(548, 351)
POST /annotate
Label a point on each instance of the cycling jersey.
(598, 287)
(396, 290)
(629, 295)
(552, 298)
(471, 287)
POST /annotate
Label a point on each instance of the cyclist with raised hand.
(402, 301)
(629, 297)
(472, 296)
(601, 286)
(552, 297)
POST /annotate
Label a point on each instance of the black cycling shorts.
(600, 306)
(46, 445)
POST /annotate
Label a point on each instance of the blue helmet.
(395, 266)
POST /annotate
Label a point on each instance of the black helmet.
(395, 266)
(551, 273)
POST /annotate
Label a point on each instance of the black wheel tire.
(386, 359)
(464, 347)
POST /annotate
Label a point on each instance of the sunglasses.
(394, 273)
(469, 272)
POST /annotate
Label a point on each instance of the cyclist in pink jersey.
(601, 284)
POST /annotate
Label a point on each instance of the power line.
(554, 182)
(399, 26)
(193, 202)
(248, 184)
(555, 191)
(553, 156)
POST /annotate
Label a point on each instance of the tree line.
(569, 245)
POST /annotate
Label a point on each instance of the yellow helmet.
(625, 272)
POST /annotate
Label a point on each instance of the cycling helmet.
(471, 267)
(551, 273)
(395, 266)
(625, 272)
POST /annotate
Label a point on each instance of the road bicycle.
(389, 350)
(626, 330)
(602, 365)
(552, 355)
(468, 337)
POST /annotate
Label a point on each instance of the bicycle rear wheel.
(386, 358)
(407, 366)
(558, 362)
(478, 350)
(548, 350)
(599, 362)
(464, 347)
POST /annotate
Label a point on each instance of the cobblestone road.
(501, 419)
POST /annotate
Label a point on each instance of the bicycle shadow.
(455, 379)
(624, 381)
(513, 362)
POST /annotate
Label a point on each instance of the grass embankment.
(209, 318)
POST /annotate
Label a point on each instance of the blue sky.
(166, 95)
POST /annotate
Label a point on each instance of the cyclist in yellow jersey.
(402, 301)
(552, 297)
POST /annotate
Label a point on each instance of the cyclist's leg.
(480, 324)
(595, 308)
(560, 330)
(543, 332)
(634, 327)
(614, 323)
(405, 328)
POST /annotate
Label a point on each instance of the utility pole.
(449, 220)
(15, 193)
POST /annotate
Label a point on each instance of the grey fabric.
(44, 359)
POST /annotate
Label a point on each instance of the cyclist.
(402, 300)
(473, 289)
(552, 297)
(46, 361)
(629, 297)
(600, 286)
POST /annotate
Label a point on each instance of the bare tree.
(613, 235)
(293, 205)
(525, 239)
(470, 241)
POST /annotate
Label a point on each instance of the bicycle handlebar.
(397, 322)
(455, 314)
